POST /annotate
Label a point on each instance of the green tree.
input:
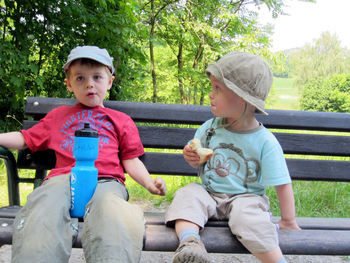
(196, 33)
(36, 37)
(161, 47)
(280, 65)
(321, 59)
(327, 94)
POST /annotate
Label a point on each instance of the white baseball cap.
(91, 52)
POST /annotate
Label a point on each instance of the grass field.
(321, 199)
(282, 95)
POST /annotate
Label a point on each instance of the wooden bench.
(320, 236)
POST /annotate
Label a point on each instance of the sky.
(306, 22)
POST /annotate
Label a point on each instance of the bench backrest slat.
(315, 170)
(195, 114)
(319, 170)
(175, 137)
(174, 164)
(307, 144)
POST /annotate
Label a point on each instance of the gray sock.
(282, 260)
(188, 232)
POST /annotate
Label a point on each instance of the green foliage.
(185, 36)
(280, 65)
(322, 59)
(37, 37)
(317, 70)
(330, 94)
(161, 48)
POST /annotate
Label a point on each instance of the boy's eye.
(97, 77)
(80, 78)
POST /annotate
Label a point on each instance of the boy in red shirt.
(113, 228)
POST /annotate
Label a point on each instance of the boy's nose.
(89, 83)
(211, 95)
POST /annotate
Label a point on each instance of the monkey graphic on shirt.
(230, 161)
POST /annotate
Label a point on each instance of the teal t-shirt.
(243, 161)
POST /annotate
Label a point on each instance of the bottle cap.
(86, 132)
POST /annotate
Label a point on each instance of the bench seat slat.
(157, 218)
(221, 240)
(320, 223)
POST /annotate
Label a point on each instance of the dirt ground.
(165, 257)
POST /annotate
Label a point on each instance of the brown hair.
(88, 62)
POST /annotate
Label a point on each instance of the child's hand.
(288, 224)
(158, 187)
(191, 156)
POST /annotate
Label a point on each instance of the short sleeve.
(274, 168)
(38, 137)
(129, 141)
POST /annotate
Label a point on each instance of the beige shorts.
(248, 215)
(43, 230)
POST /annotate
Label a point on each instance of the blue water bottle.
(83, 180)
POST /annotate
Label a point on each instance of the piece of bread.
(204, 153)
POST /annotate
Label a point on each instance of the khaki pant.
(43, 230)
(248, 215)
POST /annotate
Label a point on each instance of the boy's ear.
(69, 87)
(110, 82)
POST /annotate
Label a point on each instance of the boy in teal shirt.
(246, 159)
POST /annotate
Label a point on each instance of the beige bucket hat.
(245, 74)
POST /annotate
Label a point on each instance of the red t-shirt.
(118, 138)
